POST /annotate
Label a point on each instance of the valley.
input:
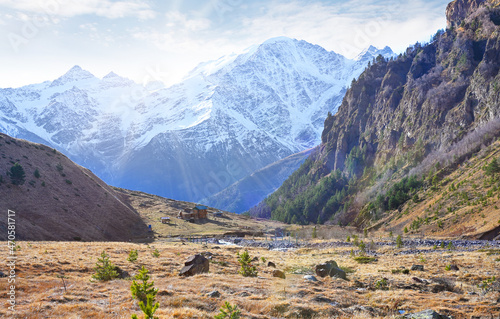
(378, 289)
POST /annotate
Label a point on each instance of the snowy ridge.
(226, 119)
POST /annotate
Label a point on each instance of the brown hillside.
(152, 208)
(65, 201)
(464, 202)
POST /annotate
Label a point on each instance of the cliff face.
(458, 10)
(433, 94)
(401, 110)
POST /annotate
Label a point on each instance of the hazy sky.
(162, 40)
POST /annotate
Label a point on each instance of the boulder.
(454, 267)
(426, 314)
(122, 274)
(324, 269)
(213, 294)
(194, 265)
(338, 273)
(417, 267)
(278, 273)
(271, 264)
(2, 274)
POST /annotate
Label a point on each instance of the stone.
(417, 267)
(194, 265)
(426, 314)
(122, 274)
(338, 273)
(435, 288)
(310, 278)
(2, 274)
(454, 267)
(213, 294)
(321, 298)
(255, 259)
(271, 264)
(279, 274)
(323, 270)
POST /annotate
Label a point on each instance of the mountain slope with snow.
(227, 119)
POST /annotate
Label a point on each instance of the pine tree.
(247, 270)
(399, 242)
(141, 290)
(104, 269)
(17, 174)
(148, 309)
(228, 311)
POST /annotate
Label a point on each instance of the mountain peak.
(281, 39)
(372, 52)
(111, 75)
(74, 74)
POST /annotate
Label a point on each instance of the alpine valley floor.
(378, 289)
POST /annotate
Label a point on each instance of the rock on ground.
(196, 264)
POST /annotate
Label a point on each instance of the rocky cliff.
(401, 111)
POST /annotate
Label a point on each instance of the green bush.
(228, 311)
(17, 174)
(104, 269)
(382, 284)
(132, 256)
(364, 259)
(247, 270)
(37, 173)
(362, 247)
(156, 253)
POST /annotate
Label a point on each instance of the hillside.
(151, 208)
(436, 103)
(59, 200)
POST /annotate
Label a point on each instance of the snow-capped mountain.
(225, 120)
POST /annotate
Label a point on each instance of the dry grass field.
(40, 291)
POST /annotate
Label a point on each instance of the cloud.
(181, 23)
(348, 27)
(71, 8)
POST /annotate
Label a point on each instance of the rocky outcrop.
(329, 268)
(194, 265)
(458, 10)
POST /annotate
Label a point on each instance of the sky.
(153, 40)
